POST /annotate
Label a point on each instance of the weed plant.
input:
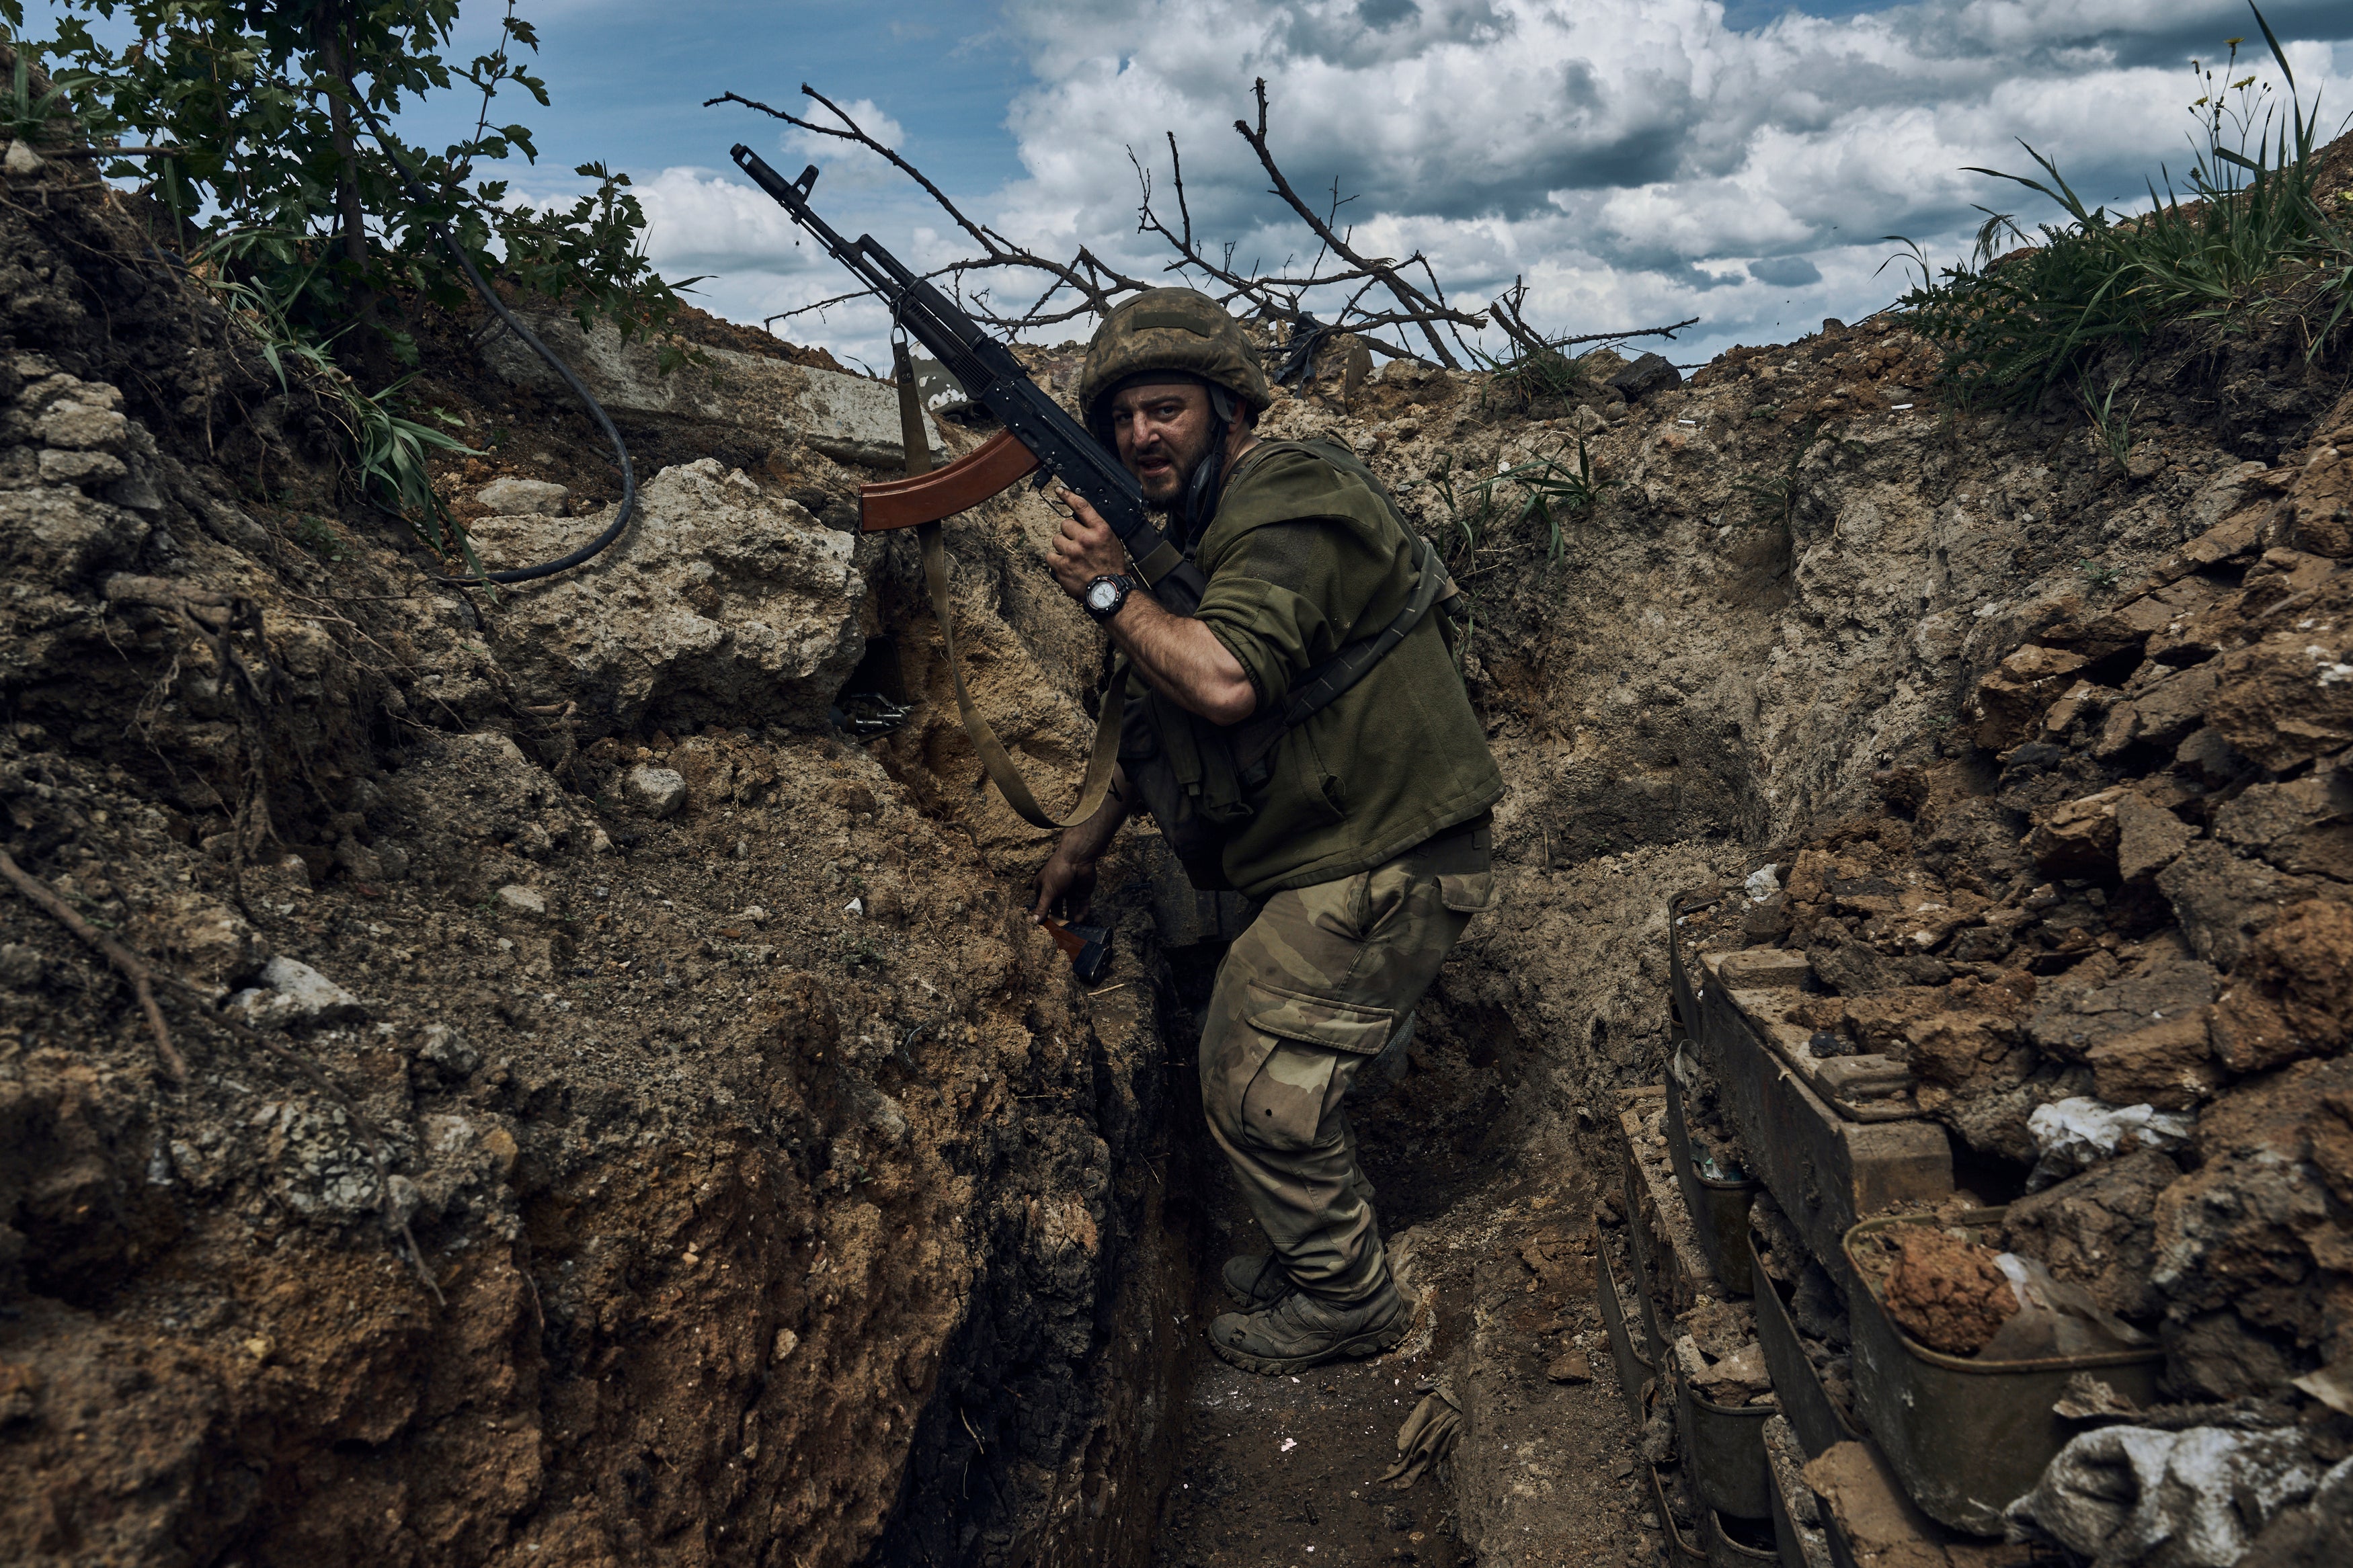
(1552, 489)
(2250, 230)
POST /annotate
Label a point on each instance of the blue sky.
(1634, 160)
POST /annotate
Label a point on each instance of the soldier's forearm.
(1183, 659)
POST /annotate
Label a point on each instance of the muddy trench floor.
(1283, 1472)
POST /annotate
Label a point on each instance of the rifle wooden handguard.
(997, 464)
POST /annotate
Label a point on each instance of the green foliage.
(1527, 375)
(257, 100)
(389, 450)
(1551, 488)
(2250, 230)
(2111, 424)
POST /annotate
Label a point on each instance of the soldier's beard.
(1165, 488)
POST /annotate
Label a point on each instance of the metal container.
(1719, 1209)
(1965, 1437)
(1726, 1550)
(1680, 1548)
(1797, 1545)
(1827, 1171)
(1673, 1268)
(1724, 1445)
(1817, 1421)
(1634, 1368)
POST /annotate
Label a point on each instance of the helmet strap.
(1202, 489)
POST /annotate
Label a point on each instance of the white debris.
(292, 993)
(1763, 883)
(2073, 1135)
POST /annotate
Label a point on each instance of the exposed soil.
(655, 1134)
(1946, 1292)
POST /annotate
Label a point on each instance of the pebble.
(657, 792)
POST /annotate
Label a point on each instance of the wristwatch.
(1104, 596)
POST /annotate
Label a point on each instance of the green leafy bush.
(255, 103)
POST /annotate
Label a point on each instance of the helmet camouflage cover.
(1179, 330)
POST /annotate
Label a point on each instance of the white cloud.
(1635, 160)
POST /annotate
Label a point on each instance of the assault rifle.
(1037, 434)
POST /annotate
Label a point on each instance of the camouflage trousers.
(1307, 998)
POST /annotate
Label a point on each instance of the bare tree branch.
(1095, 286)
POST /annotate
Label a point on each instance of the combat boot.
(1255, 1283)
(1302, 1330)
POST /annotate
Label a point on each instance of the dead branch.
(1095, 286)
(1427, 312)
(127, 964)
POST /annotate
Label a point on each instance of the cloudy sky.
(1635, 160)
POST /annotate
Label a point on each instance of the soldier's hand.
(1069, 881)
(1085, 548)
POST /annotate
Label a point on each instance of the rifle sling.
(994, 758)
(1256, 737)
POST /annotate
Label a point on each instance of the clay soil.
(730, 1173)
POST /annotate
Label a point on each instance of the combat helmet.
(1184, 331)
(1179, 330)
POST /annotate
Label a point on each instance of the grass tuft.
(2248, 230)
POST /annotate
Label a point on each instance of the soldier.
(1363, 829)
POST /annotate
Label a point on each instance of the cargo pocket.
(1467, 894)
(1317, 1020)
(1282, 1108)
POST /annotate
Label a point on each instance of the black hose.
(621, 453)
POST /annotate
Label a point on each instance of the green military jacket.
(1306, 554)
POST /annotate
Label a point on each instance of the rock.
(657, 792)
(1948, 1293)
(292, 993)
(2289, 697)
(2208, 758)
(22, 162)
(2095, 1003)
(82, 426)
(1857, 969)
(1737, 1378)
(2324, 504)
(2167, 1064)
(2098, 1229)
(2246, 1230)
(516, 899)
(1570, 1366)
(2223, 900)
(22, 966)
(2305, 825)
(1649, 373)
(207, 944)
(1879, 1523)
(88, 470)
(2292, 996)
(721, 605)
(2168, 711)
(2149, 837)
(512, 497)
(2011, 699)
(2216, 1356)
(2076, 837)
(59, 534)
(850, 418)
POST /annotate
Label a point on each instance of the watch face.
(1101, 596)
